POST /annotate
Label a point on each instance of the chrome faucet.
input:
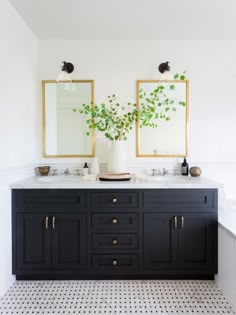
(154, 171)
(66, 172)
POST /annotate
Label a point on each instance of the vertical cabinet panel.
(69, 241)
(33, 242)
(160, 241)
(196, 240)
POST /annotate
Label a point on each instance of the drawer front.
(49, 199)
(114, 241)
(114, 221)
(114, 200)
(180, 199)
(114, 263)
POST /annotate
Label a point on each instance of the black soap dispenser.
(85, 169)
(184, 167)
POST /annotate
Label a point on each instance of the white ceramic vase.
(117, 158)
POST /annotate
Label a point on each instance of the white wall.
(19, 111)
(116, 65)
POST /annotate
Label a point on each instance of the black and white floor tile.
(115, 297)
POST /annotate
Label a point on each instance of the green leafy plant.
(116, 120)
(158, 104)
(113, 119)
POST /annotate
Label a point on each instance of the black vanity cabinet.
(33, 248)
(160, 241)
(49, 235)
(180, 230)
(49, 241)
(179, 241)
(121, 233)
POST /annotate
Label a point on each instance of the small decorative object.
(85, 169)
(44, 170)
(195, 171)
(115, 177)
(94, 166)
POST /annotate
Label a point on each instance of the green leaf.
(182, 77)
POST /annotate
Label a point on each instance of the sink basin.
(170, 179)
(59, 179)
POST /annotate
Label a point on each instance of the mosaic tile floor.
(115, 297)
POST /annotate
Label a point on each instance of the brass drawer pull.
(114, 242)
(114, 200)
(46, 223)
(114, 221)
(114, 262)
(53, 223)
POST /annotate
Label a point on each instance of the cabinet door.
(196, 240)
(69, 241)
(160, 241)
(33, 241)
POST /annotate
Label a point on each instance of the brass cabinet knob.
(114, 242)
(114, 200)
(114, 221)
(114, 262)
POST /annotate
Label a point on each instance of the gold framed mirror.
(170, 137)
(64, 131)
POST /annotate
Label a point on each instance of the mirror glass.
(170, 137)
(64, 131)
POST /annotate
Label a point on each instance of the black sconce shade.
(164, 67)
(67, 67)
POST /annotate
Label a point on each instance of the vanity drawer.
(114, 241)
(180, 199)
(114, 200)
(49, 199)
(114, 221)
(114, 263)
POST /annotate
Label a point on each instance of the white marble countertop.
(77, 182)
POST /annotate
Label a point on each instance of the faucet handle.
(77, 172)
(54, 172)
(164, 171)
(176, 171)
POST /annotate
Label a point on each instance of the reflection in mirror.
(64, 133)
(170, 137)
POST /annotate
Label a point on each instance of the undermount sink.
(59, 179)
(170, 179)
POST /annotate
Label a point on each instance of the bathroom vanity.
(101, 230)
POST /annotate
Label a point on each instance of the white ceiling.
(129, 19)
